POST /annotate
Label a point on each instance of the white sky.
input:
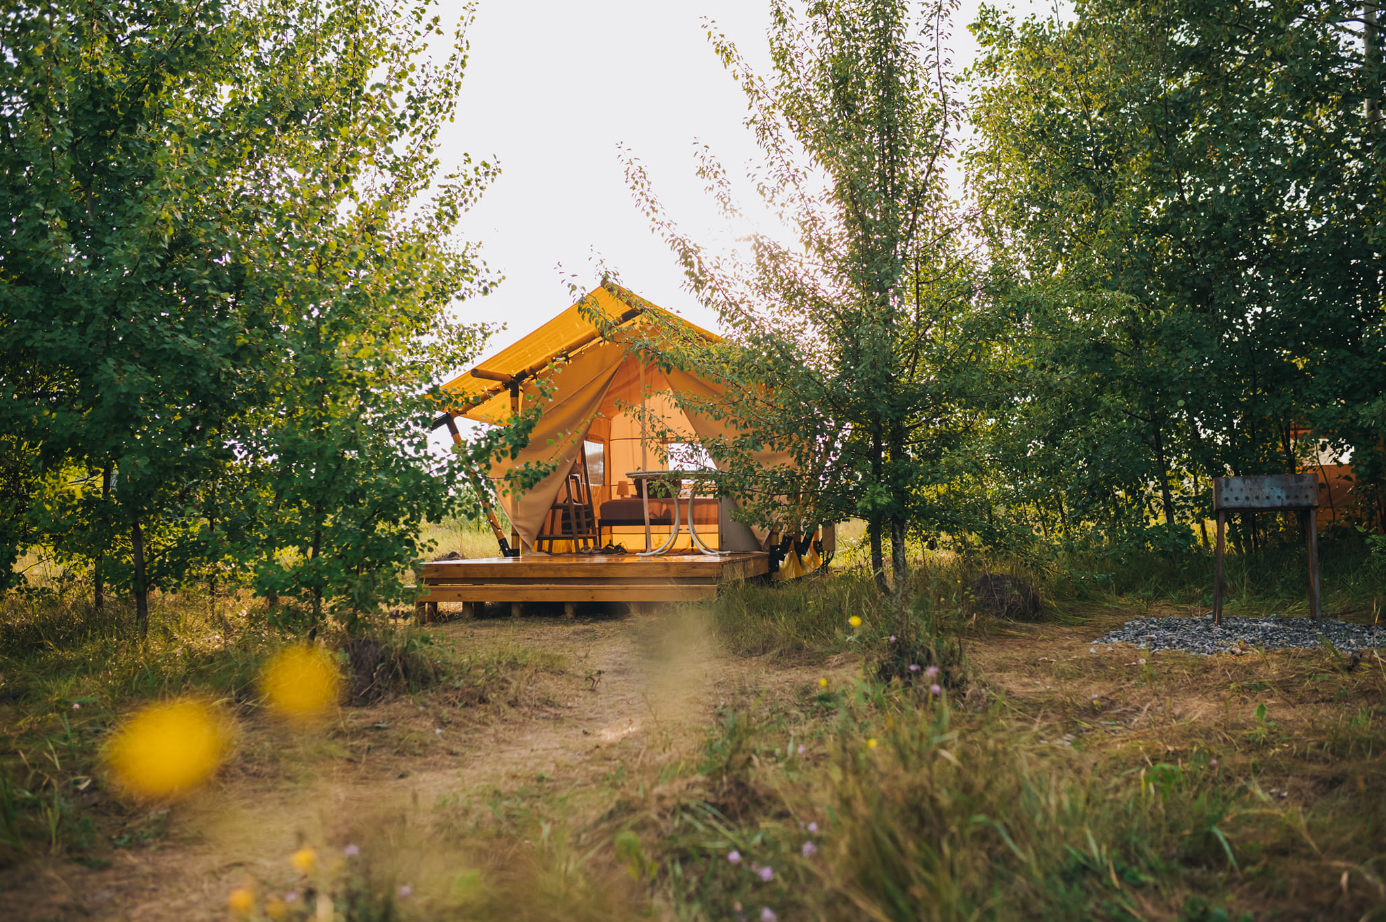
(551, 88)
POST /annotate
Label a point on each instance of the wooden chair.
(572, 517)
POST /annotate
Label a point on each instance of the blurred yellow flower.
(167, 749)
(301, 682)
(304, 860)
(275, 908)
(241, 901)
(822, 683)
(854, 621)
(871, 743)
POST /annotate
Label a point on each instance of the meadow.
(771, 755)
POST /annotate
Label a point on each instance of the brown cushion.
(629, 512)
(632, 512)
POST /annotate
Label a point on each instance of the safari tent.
(610, 418)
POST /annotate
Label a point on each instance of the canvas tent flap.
(579, 389)
(681, 382)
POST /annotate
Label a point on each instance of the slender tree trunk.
(873, 532)
(212, 570)
(141, 586)
(877, 520)
(1165, 496)
(317, 589)
(899, 564)
(98, 588)
(899, 553)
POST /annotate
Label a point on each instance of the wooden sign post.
(1298, 493)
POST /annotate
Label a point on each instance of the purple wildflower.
(914, 667)
(813, 827)
(351, 851)
(767, 873)
(404, 891)
(734, 856)
(809, 850)
(935, 689)
(767, 914)
(931, 671)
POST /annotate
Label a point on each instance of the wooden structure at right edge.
(1298, 493)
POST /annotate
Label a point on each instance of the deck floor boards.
(595, 578)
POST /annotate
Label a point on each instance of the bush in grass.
(926, 647)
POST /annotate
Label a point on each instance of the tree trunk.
(141, 587)
(899, 563)
(98, 588)
(1165, 496)
(317, 589)
(873, 531)
(877, 520)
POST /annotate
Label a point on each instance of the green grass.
(950, 815)
(69, 674)
(470, 538)
(1044, 783)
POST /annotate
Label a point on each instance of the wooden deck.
(573, 579)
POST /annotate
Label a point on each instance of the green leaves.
(857, 349)
(227, 279)
(1179, 200)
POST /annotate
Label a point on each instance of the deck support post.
(468, 610)
(517, 609)
(1217, 568)
(1315, 605)
(569, 609)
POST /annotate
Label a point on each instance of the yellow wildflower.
(822, 683)
(167, 749)
(301, 682)
(854, 621)
(304, 860)
(871, 743)
(241, 901)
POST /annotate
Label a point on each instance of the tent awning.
(484, 392)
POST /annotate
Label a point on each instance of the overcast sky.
(551, 88)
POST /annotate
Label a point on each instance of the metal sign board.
(1297, 493)
(1266, 493)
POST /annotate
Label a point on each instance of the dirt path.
(629, 692)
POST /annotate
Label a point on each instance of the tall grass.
(812, 615)
(471, 538)
(918, 816)
(1272, 577)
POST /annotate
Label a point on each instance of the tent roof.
(563, 337)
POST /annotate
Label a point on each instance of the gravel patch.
(1239, 635)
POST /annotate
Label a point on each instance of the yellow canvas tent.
(589, 386)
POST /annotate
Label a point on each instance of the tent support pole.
(515, 411)
(479, 488)
(644, 460)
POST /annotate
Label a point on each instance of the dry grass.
(605, 769)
